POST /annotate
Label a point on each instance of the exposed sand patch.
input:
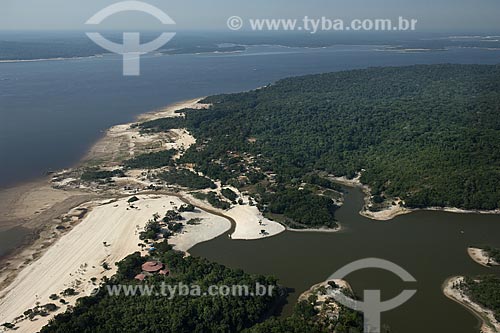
(386, 214)
(489, 322)
(210, 227)
(21, 203)
(170, 110)
(314, 289)
(247, 223)
(326, 303)
(481, 257)
(122, 141)
(390, 212)
(245, 217)
(78, 256)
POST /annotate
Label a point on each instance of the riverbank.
(489, 322)
(81, 258)
(44, 213)
(481, 257)
(395, 207)
(83, 230)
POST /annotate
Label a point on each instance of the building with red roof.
(152, 266)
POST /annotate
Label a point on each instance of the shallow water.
(431, 246)
(11, 238)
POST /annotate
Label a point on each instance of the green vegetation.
(161, 125)
(484, 290)
(151, 160)
(307, 319)
(69, 292)
(492, 252)
(429, 134)
(213, 199)
(187, 208)
(195, 221)
(151, 230)
(301, 208)
(92, 175)
(133, 199)
(104, 313)
(229, 194)
(176, 313)
(314, 179)
(187, 178)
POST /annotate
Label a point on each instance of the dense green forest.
(186, 178)
(158, 313)
(300, 208)
(429, 134)
(493, 252)
(484, 290)
(94, 174)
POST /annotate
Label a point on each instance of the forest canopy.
(429, 134)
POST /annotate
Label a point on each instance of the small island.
(486, 256)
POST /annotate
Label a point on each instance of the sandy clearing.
(210, 227)
(77, 256)
(489, 322)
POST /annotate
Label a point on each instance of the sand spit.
(481, 257)
(489, 322)
(123, 141)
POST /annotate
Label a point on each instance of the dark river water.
(51, 113)
(431, 246)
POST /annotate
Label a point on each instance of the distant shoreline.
(8, 61)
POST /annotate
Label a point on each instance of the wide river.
(431, 246)
(53, 111)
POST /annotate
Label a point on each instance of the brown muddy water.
(430, 245)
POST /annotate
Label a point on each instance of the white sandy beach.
(247, 223)
(77, 257)
(245, 217)
(481, 257)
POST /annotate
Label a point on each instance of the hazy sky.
(433, 15)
